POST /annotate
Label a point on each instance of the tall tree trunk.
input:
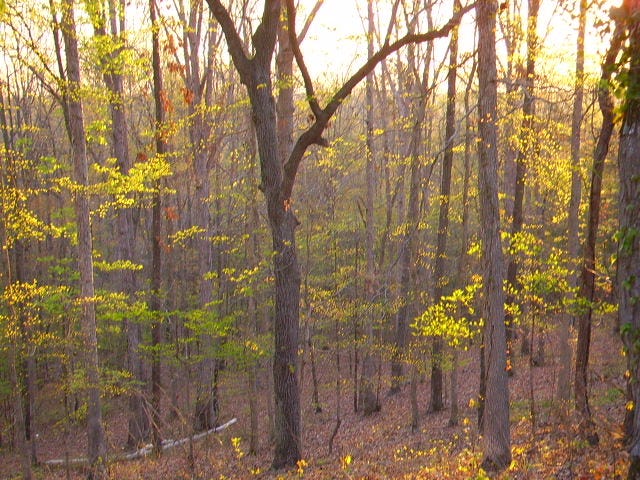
(277, 182)
(97, 448)
(139, 427)
(496, 437)
(441, 279)
(462, 264)
(368, 398)
(563, 388)
(587, 283)
(156, 231)
(198, 98)
(407, 251)
(524, 153)
(629, 216)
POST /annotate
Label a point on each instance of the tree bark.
(97, 448)
(277, 181)
(629, 217)
(524, 153)
(139, 427)
(156, 231)
(368, 399)
(441, 279)
(587, 282)
(496, 437)
(563, 388)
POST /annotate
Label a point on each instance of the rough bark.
(563, 388)
(97, 448)
(587, 281)
(629, 217)
(496, 437)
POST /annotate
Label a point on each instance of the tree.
(156, 229)
(496, 436)
(441, 280)
(573, 243)
(97, 448)
(629, 217)
(588, 272)
(368, 398)
(277, 181)
(527, 140)
(110, 50)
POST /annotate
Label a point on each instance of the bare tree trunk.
(277, 182)
(629, 243)
(139, 427)
(441, 279)
(525, 151)
(368, 399)
(563, 388)
(97, 448)
(462, 263)
(20, 430)
(587, 285)
(496, 437)
(156, 231)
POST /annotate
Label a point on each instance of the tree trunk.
(139, 428)
(407, 255)
(97, 448)
(496, 437)
(156, 230)
(629, 242)
(277, 182)
(587, 284)
(20, 428)
(368, 398)
(524, 153)
(563, 388)
(441, 279)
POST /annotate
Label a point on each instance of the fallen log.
(144, 451)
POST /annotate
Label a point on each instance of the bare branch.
(295, 46)
(392, 22)
(309, 20)
(313, 135)
(234, 42)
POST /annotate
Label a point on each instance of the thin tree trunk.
(496, 437)
(97, 448)
(156, 231)
(587, 284)
(368, 399)
(139, 428)
(441, 279)
(464, 238)
(526, 140)
(563, 388)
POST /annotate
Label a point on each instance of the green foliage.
(452, 318)
(134, 188)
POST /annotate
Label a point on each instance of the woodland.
(320, 239)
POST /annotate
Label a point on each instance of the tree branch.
(234, 42)
(309, 20)
(313, 135)
(265, 36)
(295, 46)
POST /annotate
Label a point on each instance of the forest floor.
(381, 446)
